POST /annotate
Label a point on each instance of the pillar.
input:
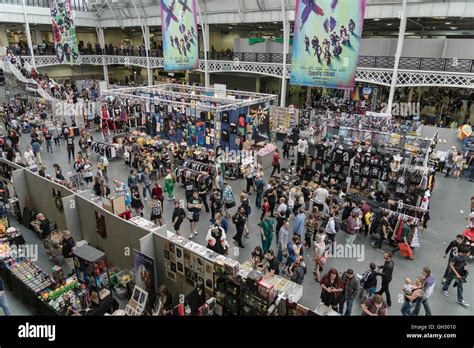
(38, 37)
(146, 38)
(3, 36)
(28, 36)
(401, 37)
(100, 36)
(257, 84)
(286, 39)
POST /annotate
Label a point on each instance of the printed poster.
(326, 42)
(64, 32)
(145, 274)
(180, 34)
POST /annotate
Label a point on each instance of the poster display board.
(145, 275)
(326, 42)
(64, 32)
(283, 119)
(180, 35)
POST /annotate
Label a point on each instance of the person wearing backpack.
(156, 211)
(298, 270)
(239, 219)
(368, 282)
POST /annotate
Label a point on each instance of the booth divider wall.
(121, 237)
(21, 188)
(41, 191)
(71, 214)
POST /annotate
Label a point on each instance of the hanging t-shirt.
(320, 150)
(366, 171)
(387, 159)
(302, 145)
(375, 172)
(338, 155)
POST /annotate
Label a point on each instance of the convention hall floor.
(449, 208)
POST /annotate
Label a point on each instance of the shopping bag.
(405, 250)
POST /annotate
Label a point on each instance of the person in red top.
(265, 208)
(158, 192)
(276, 162)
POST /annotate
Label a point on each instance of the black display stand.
(92, 270)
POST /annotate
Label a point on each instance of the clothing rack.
(404, 216)
(418, 168)
(199, 166)
(111, 151)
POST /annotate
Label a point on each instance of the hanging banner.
(180, 35)
(326, 42)
(64, 33)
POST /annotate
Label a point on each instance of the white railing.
(364, 74)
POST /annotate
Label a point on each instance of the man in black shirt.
(68, 244)
(194, 207)
(70, 148)
(386, 274)
(239, 219)
(44, 226)
(272, 266)
(458, 272)
(178, 217)
(453, 250)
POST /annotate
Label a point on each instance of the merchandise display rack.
(201, 98)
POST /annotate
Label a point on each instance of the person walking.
(216, 240)
(368, 281)
(194, 208)
(428, 287)
(297, 271)
(49, 141)
(146, 183)
(283, 242)
(259, 189)
(266, 231)
(383, 230)
(239, 219)
(178, 217)
(386, 274)
(299, 222)
(276, 162)
(453, 250)
(281, 214)
(410, 299)
(458, 272)
(351, 229)
(68, 244)
(331, 229)
(203, 195)
(70, 148)
(3, 299)
(228, 199)
(294, 250)
(156, 211)
(169, 184)
(215, 202)
(350, 287)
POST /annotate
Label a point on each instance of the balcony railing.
(77, 5)
(380, 62)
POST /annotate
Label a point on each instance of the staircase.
(8, 67)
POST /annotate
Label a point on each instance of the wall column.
(100, 36)
(28, 36)
(286, 39)
(3, 36)
(402, 14)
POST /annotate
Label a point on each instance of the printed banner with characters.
(180, 34)
(326, 42)
(64, 33)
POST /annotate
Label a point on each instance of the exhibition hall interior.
(236, 157)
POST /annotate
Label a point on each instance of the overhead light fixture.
(389, 24)
(447, 23)
(441, 17)
(281, 30)
(230, 27)
(376, 19)
(275, 22)
(233, 23)
(453, 28)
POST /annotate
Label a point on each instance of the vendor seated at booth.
(164, 302)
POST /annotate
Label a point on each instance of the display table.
(266, 160)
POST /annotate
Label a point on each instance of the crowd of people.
(294, 219)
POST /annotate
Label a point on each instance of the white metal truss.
(406, 78)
